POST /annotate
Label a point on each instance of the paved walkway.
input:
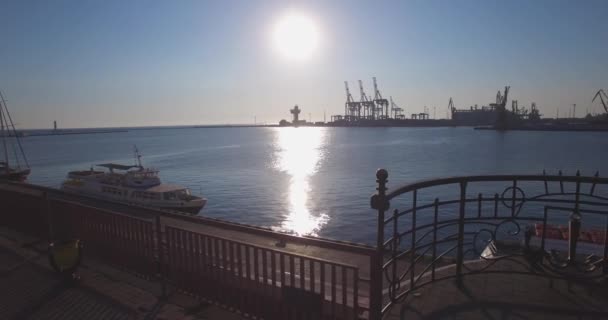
(31, 290)
(503, 296)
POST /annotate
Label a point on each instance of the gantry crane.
(352, 109)
(369, 107)
(381, 103)
(397, 112)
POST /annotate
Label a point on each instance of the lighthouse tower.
(296, 115)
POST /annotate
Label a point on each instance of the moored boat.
(14, 165)
(133, 184)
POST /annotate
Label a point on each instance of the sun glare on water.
(298, 154)
(296, 36)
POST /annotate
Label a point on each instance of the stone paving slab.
(22, 288)
(8, 260)
(31, 290)
(77, 303)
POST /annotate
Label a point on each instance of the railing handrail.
(101, 210)
(492, 178)
(318, 241)
(277, 250)
(351, 247)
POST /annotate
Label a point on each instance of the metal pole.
(574, 225)
(380, 203)
(159, 260)
(460, 252)
(4, 134)
(574, 228)
(49, 217)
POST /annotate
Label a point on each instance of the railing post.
(380, 203)
(460, 249)
(159, 261)
(50, 218)
(574, 228)
(574, 225)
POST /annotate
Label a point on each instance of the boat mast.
(14, 131)
(137, 156)
(3, 133)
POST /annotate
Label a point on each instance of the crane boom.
(601, 94)
(504, 98)
(349, 97)
(378, 96)
(451, 105)
(363, 96)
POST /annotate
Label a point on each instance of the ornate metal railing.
(452, 227)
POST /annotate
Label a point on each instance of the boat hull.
(141, 187)
(190, 210)
(189, 207)
(18, 176)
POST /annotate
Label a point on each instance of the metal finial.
(578, 173)
(378, 200)
(560, 172)
(382, 174)
(597, 174)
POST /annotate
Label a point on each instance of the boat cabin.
(140, 178)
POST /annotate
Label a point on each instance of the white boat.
(133, 184)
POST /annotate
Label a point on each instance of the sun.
(296, 36)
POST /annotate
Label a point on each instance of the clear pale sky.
(138, 63)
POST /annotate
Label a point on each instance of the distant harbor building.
(475, 116)
(486, 115)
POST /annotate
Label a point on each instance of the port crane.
(397, 112)
(602, 95)
(451, 107)
(381, 103)
(352, 109)
(500, 105)
(501, 101)
(369, 107)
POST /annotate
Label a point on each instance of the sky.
(153, 63)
